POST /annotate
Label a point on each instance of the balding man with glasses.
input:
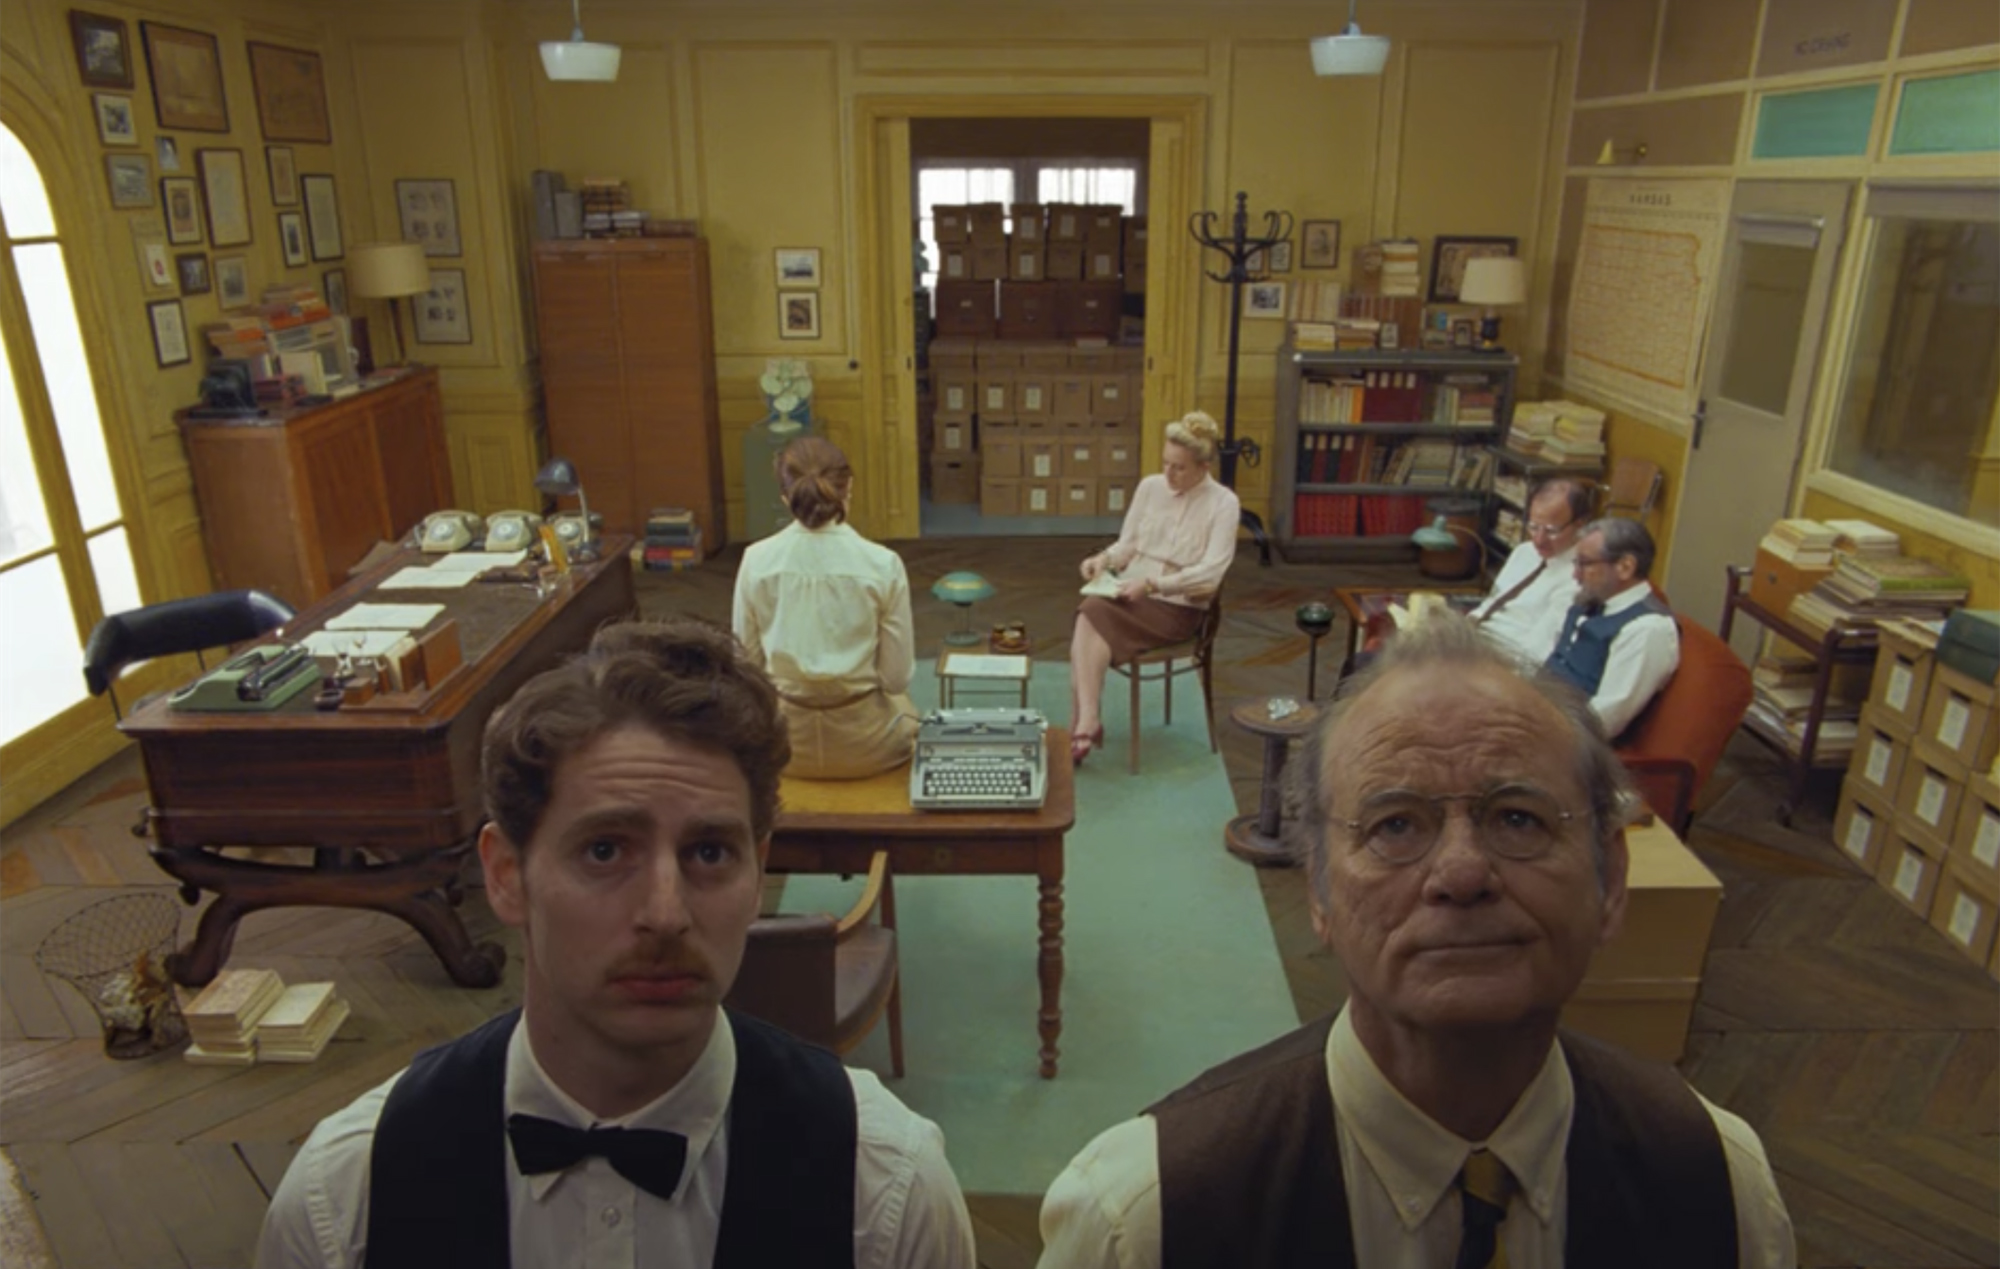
(1465, 852)
(1537, 584)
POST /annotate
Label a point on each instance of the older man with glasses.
(1619, 643)
(1536, 586)
(1466, 857)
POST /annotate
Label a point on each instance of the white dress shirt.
(1184, 542)
(1641, 659)
(826, 612)
(1532, 621)
(1400, 1170)
(908, 1211)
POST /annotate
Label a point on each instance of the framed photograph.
(291, 94)
(1279, 258)
(333, 288)
(798, 315)
(225, 196)
(441, 313)
(159, 268)
(1319, 244)
(1464, 332)
(103, 50)
(292, 238)
(798, 268)
(1448, 259)
(1265, 300)
(428, 212)
(192, 266)
(232, 281)
(131, 177)
(170, 335)
(114, 119)
(187, 78)
(167, 153)
(177, 195)
(284, 175)
(322, 217)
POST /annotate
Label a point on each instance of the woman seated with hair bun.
(827, 614)
(1178, 540)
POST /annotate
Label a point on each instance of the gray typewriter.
(259, 678)
(980, 759)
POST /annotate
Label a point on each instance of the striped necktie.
(1512, 594)
(1485, 1185)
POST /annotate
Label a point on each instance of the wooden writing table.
(387, 794)
(836, 826)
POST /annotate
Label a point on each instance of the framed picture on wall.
(441, 313)
(1319, 244)
(322, 216)
(114, 119)
(192, 266)
(183, 204)
(187, 78)
(1279, 258)
(170, 341)
(428, 212)
(284, 175)
(292, 238)
(131, 177)
(224, 194)
(232, 281)
(291, 94)
(798, 315)
(167, 153)
(1449, 257)
(103, 50)
(333, 286)
(798, 268)
(1264, 300)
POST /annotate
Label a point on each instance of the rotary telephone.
(444, 531)
(573, 531)
(511, 530)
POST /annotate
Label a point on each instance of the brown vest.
(1250, 1166)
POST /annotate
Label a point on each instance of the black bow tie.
(648, 1158)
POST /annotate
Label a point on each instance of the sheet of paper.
(1104, 585)
(425, 579)
(334, 643)
(988, 667)
(478, 561)
(385, 617)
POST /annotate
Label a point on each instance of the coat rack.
(1239, 249)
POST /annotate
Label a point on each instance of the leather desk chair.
(826, 980)
(1189, 656)
(176, 626)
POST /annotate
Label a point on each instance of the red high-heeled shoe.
(1081, 744)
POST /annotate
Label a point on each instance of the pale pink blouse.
(1185, 542)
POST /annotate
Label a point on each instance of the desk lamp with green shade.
(965, 590)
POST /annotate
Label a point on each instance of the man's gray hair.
(1448, 645)
(1626, 537)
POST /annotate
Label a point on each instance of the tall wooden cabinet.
(628, 376)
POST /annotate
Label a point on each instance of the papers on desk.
(401, 617)
(967, 666)
(476, 562)
(425, 579)
(351, 643)
(1105, 585)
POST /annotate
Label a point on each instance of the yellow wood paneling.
(1678, 132)
(627, 130)
(1812, 35)
(1474, 172)
(1617, 53)
(1706, 42)
(1031, 59)
(1934, 26)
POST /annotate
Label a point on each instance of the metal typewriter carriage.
(980, 759)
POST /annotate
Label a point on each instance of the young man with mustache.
(621, 1116)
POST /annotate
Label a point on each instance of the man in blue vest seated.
(621, 1117)
(1465, 856)
(1619, 643)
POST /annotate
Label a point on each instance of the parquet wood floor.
(1862, 1048)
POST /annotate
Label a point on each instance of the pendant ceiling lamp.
(577, 59)
(1349, 53)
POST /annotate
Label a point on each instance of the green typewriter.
(259, 678)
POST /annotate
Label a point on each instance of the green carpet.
(1170, 962)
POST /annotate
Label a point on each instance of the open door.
(886, 502)
(1777, 270)
(1172, 315)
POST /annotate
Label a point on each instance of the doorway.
(1743, 460)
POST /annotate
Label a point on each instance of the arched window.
(65, 558)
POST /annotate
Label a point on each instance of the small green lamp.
(965, 590)
(1442, 554)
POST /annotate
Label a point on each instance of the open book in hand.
(1105, 585)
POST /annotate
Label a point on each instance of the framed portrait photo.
(232, 281)
(1319, 244)
(114, 119)
(192, 269)
(333, 286)
(322, 217)
(224, 196)
(291, 94)
(1264, 300)
(1449, 257)
(798, 314)
(284, 175)
(131, 177)
(441, 313)
(170, 339)
(157, 264)
(167, 153)
(187, 78)
(183, 206)
(798, 268)
(103, 49)
(292, 238)
(427, 210)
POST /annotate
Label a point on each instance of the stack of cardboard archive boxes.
(1061, 273)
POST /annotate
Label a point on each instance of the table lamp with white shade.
(389, 271)
(1494, 282)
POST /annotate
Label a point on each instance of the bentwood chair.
(1195, 655)
(828, 981)
(176, 626)
(1631, 489)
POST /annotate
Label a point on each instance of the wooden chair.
(828, 981)
(175, 626)
(1191, 655)
(1673, 745)
(1631, 489)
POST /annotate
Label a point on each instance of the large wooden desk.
(386, 794)
(836, 826)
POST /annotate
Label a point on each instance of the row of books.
(1388, 267)
(246, 1016)
(1325, 459)
(1560, 432)
(1318, 515)
(1398, 396)
(1782, 686)
(1864, 589)
(1813, 543)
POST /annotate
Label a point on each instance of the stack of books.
(673, 540)
(222, 1020)
(1533, 423)
(1859, 537)
(1783, 689)
(299, 1023)
(1806, 543)
(1864, 589)
(604, 199)
(1577, 439)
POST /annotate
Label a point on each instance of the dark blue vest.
(437, 1192)
(1585, 647)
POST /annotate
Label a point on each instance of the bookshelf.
(1514, 474)
(1365, 437)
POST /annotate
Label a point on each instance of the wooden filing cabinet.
(290, 502)
(628, 376)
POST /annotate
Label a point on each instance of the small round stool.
(1255, 837)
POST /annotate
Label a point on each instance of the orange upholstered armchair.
(1674, 745)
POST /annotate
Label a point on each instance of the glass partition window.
(1916, 415)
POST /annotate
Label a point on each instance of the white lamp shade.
(1350, 53)
(579, 60)
(387, 270)
(1494, 281)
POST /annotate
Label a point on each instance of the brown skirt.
(1133, 626)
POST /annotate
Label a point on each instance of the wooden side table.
(1255, 837)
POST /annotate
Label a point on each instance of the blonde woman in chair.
(1178, 540)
